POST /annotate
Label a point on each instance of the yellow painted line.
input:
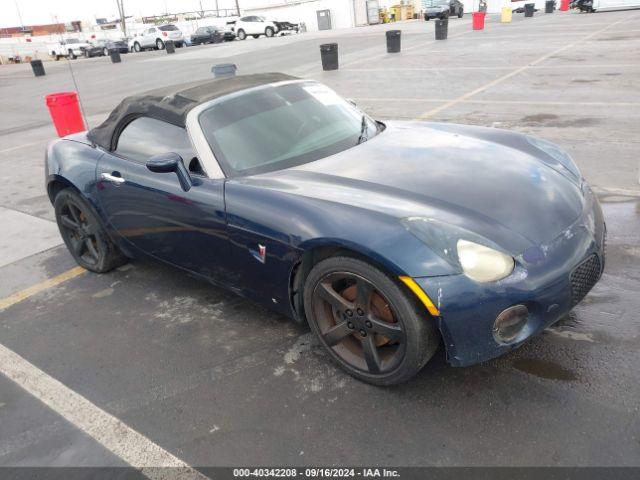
(518, 70)
(39, 287)
(421, 294)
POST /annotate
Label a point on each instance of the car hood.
(489, 181)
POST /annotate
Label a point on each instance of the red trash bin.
(478, 20)
(65, 113)
(564, 5)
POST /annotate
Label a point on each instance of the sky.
(36, 12)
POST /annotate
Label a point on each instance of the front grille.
(584, 277)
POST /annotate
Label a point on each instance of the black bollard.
(37, 67)
(393, 41)
(329, 56)
(115, 56)
(528, 9)
(549, 6)
(442, 27)
(170, 46)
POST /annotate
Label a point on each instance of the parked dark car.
(388, 239)
(101, 48)
(443, 9)
(207, 35)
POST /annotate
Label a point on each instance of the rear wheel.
(269, 32)
(366, 322)
(105, 52)
(83, 234)
(461, 13)
(241, 34)
(72, 55)
(159, 44)
(136, 47)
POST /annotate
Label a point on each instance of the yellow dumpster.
(506, 15)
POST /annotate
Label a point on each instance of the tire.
(461, 13)
(179, 45)
(86, 54)
(349, 329)
(87, 241)
(159, 44)
(269, 32)
(426, 18)
(72, 55)
(105, 52)
(136, 47)
(241, 34)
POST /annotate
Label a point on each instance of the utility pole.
(238, 7)
(20, 15)
(123, 21)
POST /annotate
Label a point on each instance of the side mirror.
(171, 162)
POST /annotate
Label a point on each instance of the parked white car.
(255, 26)
(155, 37)
(69, 47)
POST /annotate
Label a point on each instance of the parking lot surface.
(200, 377)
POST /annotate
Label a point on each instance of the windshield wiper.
(363, 130)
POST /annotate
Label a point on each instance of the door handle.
(112, 178)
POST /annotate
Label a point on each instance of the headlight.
(483, 264)
(469, 253)
(555, 152)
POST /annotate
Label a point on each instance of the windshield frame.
(213, 162)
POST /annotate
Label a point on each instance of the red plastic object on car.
(564, 5)
(64, 109)
(478, 20)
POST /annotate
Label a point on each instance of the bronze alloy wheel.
(358, 323)
(367, 321)
(75, 226)
(83, 234)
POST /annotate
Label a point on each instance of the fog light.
(510, 323)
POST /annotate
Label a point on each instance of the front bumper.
(542, 281)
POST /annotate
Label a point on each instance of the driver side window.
(145, 137)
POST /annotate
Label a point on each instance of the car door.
(151, 212)
(149, 38)
(253, 26)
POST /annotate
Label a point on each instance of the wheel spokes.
(91, 249)
(78, 247)
(363, 295)
(336, 334)
(68, 222)
(392, 331)
(371, 356)
(329, 295)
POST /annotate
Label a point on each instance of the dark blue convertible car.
(386, 238)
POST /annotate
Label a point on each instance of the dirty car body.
(408, 198)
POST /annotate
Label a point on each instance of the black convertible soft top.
(172, 104)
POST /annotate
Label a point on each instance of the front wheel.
(269, 32)
(241, 34)
(83, 234)
(461, 13)
(105, 52)
(72, 55)
(366, 322)
(137, 47)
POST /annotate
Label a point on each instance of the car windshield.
(280, 126)
(435, 3)
(168, 28)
